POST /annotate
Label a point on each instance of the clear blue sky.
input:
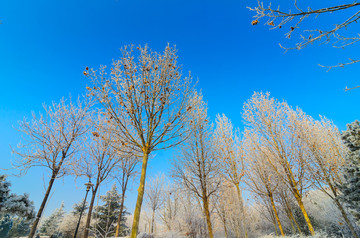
(45, 46)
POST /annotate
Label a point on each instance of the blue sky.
(45, 46)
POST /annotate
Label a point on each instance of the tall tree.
(107, 214)
(51, 142)
(50, 226)
(125, 170)
(147, 99)
(99, 159)
(272, 123)
(170, 209)
(260, 177)
(351, 171)
(154, 197)
(230, 153)
(197, 167)
(327, 156)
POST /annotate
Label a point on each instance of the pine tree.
(5, 225)
(107, 214)
(351, 186)
(78, 207)
(20, 227)
(13, 204)
(50, 226)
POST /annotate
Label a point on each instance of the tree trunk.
(91, 206)
(225, 228)
(302, 208)
(241, 208)
(141, 190)
(341, 208)
(152, 222)
(120, 214)
(42, 206)
(276, 215)
(346, 218)
(207, 215)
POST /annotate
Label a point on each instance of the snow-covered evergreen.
(50, 226)
(14, 204)
(351, 172)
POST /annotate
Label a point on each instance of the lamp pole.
(88, 186)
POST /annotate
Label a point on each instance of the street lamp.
(88, 186)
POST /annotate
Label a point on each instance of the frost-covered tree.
(125, 171)
(79, 207)
(230, 153)
(326, 157)
(274, 125)
(50, 225)
(351, 171)
(50, 141)
(20, 227)
(154, 196)
(171, 207)
(13, 204)
(261, 179)
(196, 167)
(106, 215)
(146, 96)
(5, 225)
(99, 159)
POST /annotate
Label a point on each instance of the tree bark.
(341, 208)
(276, 215)
(207, 215)
(302, 208)
(152, 222)
(141, 190)
(120, 214)
(241, 208)
(346, 218)
(42, 206)
(91, 206)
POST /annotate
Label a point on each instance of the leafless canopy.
(146, 96)
(51, 140)
(277, 18)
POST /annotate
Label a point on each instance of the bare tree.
(197, 167)
(125, 170)
(328, 152)
(273, 124)
(154, 196)
(51, 142)
(221, 207)
(170, 209)
(147, 98)
(230, 153)
(294, 17)
(99, 159)
(260, 177)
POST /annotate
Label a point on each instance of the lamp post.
(88, 186)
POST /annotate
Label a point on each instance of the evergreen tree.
(107, 214)
(20, 227)
(13, 204)
(5, 225)
(51, 225)
(78, 207)
(351, 185)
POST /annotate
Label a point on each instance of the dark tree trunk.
(42, 206)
